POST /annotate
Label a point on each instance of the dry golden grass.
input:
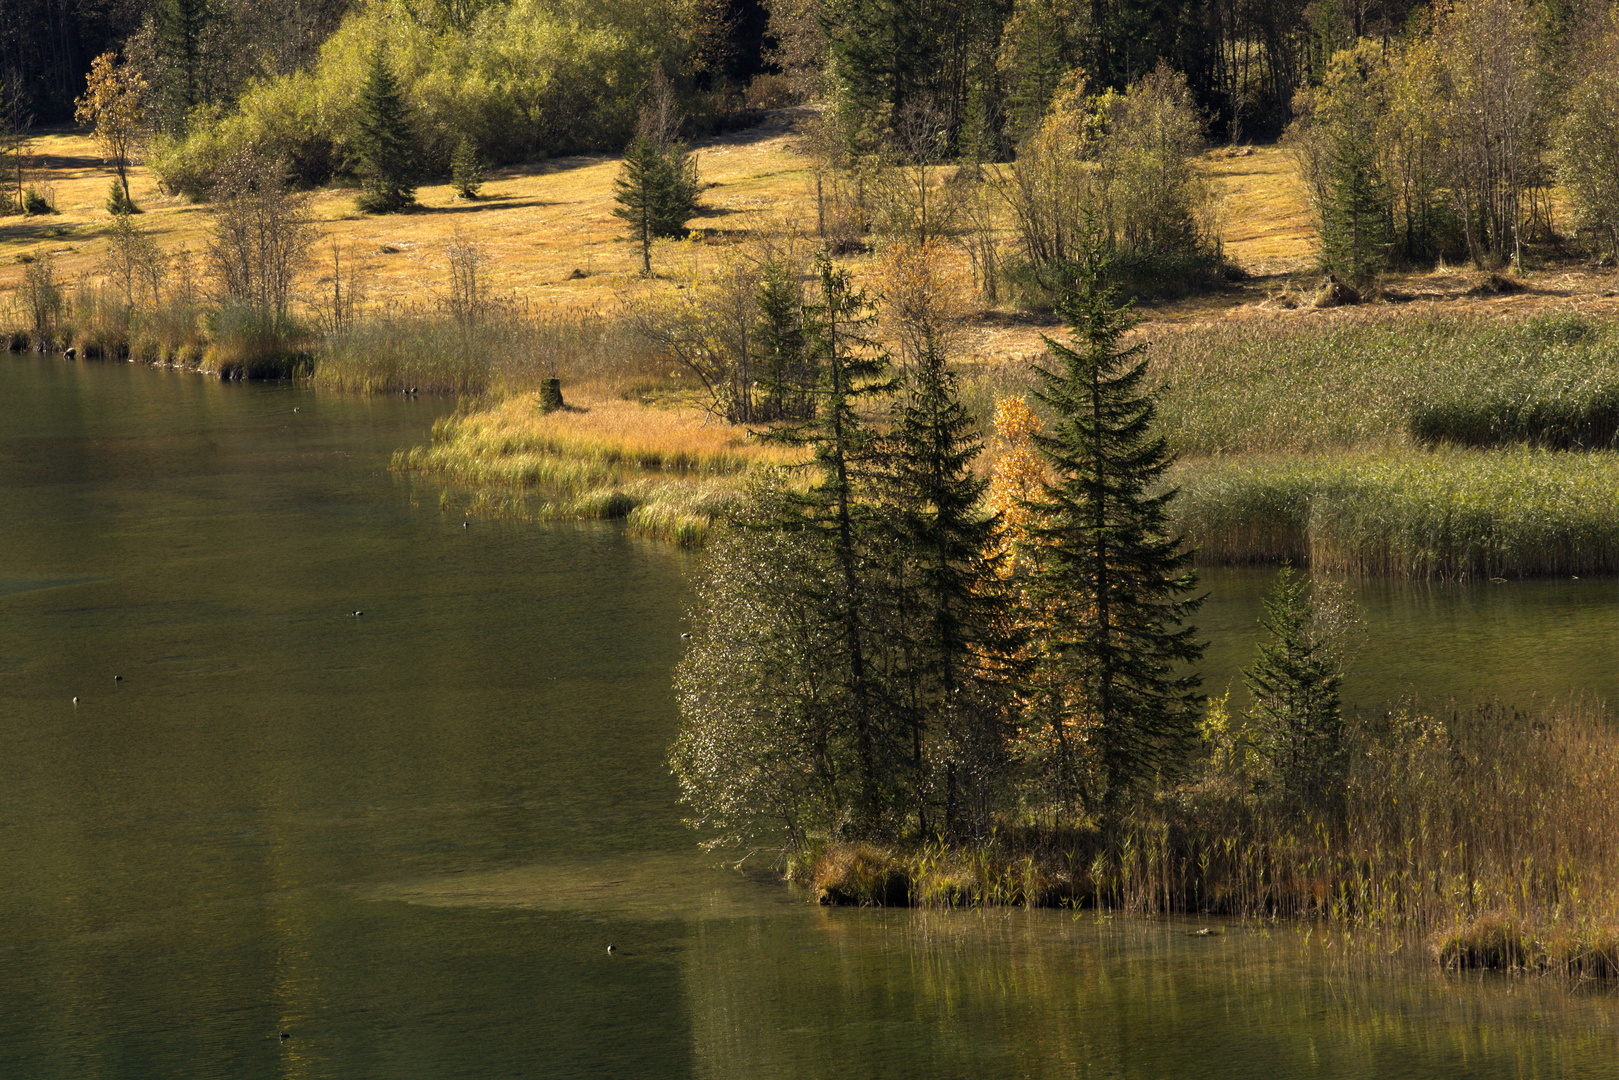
(542, 222)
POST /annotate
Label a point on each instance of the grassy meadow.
(1374, 401)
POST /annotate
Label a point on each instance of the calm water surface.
(406, 838)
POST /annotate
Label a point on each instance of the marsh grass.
(669, 472)
(1487, 838)
(509, 350)
(1440, 514)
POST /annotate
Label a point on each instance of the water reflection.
(407, 839)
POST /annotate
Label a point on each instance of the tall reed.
(1482, 838)
(1444, 514)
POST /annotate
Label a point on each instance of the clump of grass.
(1445, 514)
(247, 342)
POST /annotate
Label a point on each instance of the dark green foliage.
(385, 142)
(656, 192)
(1358, 218)
(852, 370)
(787, 372)
(182, 27)
(466, 173)
(946, 602)
(118, 201)
(895, 57)
(1296, 723)
(1112, 577)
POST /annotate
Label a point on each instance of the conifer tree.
(1297, 717)
(788, 377)
(656, 191)
(1113, 581)
(466, 173)
(385, 142)
(852, 369)
(948, 590)
(1358, 218)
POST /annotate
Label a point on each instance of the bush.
(39, 199)
(119, 203)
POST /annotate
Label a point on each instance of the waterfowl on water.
(75, 700)
(357, 614)
(611, 948)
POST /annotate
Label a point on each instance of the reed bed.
(1444, 514)
(1487, 838)
(507, 349)
(1258, 386)
(1306, 386)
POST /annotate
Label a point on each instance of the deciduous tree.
(112, 105)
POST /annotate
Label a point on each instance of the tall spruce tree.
(1113, 579)
(852, 369)
(385, 142)
(945, 590)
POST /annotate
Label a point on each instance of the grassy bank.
(1485, 839)
(667, 471)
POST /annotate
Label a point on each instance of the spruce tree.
(788, 377)
(1358, 218)
(1112, 578)
(656, 192)
(1297, 717)
(945, 585)
(385, 142)
(466, 173)
(852, 369)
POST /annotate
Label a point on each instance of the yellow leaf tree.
(113, 105)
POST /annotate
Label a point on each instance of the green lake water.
(406, 838)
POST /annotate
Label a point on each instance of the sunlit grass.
(669, 471)
(1445, 513)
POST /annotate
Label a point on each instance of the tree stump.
(551, 395)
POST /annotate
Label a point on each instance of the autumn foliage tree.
(113, 105)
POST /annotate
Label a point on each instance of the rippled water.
(405, 838)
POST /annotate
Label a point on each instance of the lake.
(406, 837)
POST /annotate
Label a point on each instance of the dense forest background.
(990, 66)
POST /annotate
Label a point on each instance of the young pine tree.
(1112, 580)
(466, 172)
(656, 192)
(385, 142)
(1296, 722)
